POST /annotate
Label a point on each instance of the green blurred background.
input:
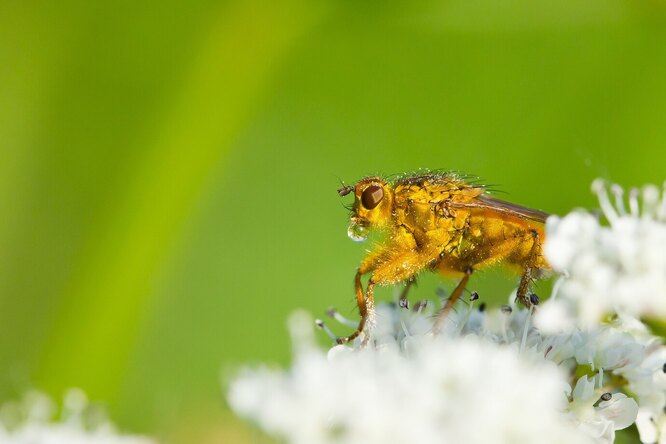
(168, 169)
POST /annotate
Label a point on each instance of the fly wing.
(503, 207)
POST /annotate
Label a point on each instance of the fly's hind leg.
(530, 265)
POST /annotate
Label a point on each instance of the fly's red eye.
(372, 196)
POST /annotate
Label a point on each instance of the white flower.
(31, 422)
(320, 399)
(609, 349)
(648, 383)
(424, 389)
(651, 428)
(616, 268)
(459, 391)
(600, 413)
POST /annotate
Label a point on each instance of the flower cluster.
(31, 421)
(619, 268)
(579, 369)
(493, 367)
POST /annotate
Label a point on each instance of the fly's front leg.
(366, 304)
(392, 268)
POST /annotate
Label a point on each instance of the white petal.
(621, 410)
(647, 428)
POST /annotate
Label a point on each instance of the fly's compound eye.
(372, 196)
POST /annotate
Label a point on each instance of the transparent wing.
(500, 206)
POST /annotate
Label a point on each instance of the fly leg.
(530, 264)
(457, 292)
(366, 306)
(387, 268)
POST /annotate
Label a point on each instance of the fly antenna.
(344, 189)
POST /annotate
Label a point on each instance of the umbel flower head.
(33, 421)
(407, 391)
(490, 375)
(614, 268)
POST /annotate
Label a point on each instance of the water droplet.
(357, 232)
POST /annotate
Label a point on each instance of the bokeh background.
(168, 170)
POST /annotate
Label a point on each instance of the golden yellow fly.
(440, 222)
